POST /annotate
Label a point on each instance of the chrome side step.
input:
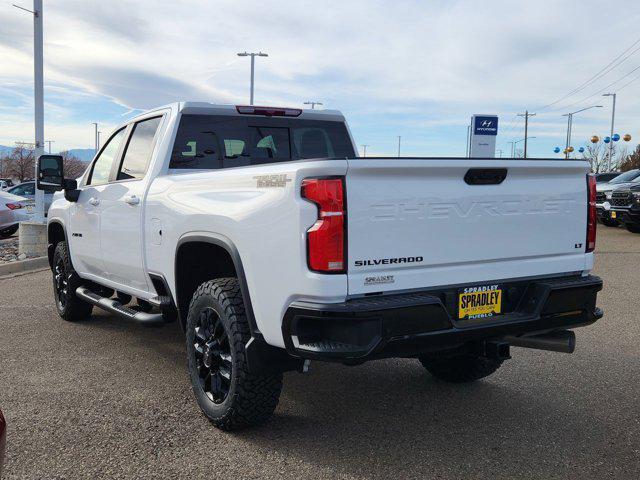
(115, 307)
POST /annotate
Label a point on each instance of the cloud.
(414, 68)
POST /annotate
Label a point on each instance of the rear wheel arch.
(203, 257)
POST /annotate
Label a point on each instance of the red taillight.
(268, 111)
(13, 206)
(326, 238)
(591, 215)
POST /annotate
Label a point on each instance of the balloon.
(627, 137)
(557, 149)
(595, 139)
(615, 137)
(607, 139)
(570, 149)
(581, 149)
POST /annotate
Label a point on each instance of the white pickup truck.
(271, 243)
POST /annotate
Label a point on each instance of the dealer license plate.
(479, 302)
(29, 208)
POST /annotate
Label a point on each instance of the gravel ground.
(107, 399)
(9, 250)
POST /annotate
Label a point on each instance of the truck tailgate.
(416, 223)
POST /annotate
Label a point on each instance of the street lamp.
(253, 56)
(613, 119)
(38, 97)
(513, 145)
(364, 151)
(313, 104)
(95, 135)
(570, 126)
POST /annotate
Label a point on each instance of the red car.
(3, 440)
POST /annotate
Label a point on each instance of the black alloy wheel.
(212, 353)
(60, 283)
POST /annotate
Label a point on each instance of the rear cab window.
(221, 141)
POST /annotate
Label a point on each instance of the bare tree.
(21, 163)
(597, 154)
(5, 167)
(631, 161)
(73, 166)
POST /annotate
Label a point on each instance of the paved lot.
(111, 399)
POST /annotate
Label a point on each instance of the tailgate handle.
(485, 176)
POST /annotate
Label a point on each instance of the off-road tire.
(7, 232)
(610, 222)
(461, 368)
(633, 228)
(69, 306)
(251, 398)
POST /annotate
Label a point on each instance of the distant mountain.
(84, 154)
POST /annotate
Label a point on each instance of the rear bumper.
(411, 324)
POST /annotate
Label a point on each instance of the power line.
(602, 89)
(628, 83)
(601, 73)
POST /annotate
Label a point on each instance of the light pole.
(399, 143)
(468, 141)
(38, 94)
(513, 144)
(98, 140)
(570, 126)
(50, 142)
(253, 56)
(364, 151)
(613, 119)
(313, 104)
(95, 135)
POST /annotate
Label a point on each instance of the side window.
(19, 190)
(139, 150)
(29, 189)
(102, 165)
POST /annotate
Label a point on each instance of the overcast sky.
(418, 69)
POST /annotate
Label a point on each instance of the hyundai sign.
(485, 125)
(483, 136)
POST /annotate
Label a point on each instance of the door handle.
(94, 201)
(131, 200)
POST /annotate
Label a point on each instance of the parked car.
(3, 440)
(272, 243)
(7, 182)
(13, 209)
(625, 206)
(28, 190)
(604, 192)
(606, 177)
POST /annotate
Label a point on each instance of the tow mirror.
(50, 172)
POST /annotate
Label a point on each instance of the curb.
(22, 266)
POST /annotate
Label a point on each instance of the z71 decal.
(272, 181)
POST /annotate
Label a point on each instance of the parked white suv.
(260, 231)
